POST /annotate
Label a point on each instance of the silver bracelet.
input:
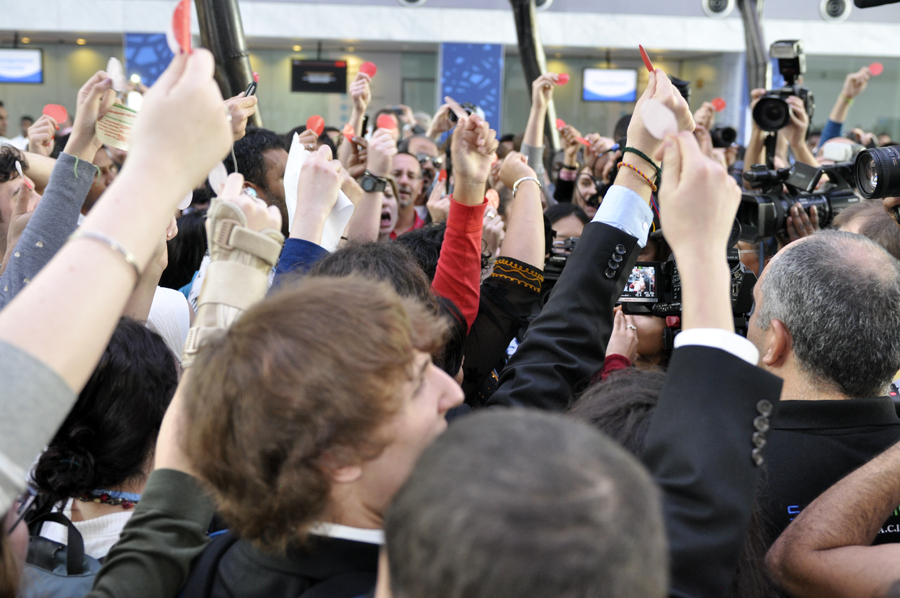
(111, 243)
(523, 179)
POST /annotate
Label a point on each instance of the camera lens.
(771, 113)
(878, 172)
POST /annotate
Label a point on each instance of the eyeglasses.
(436, 161)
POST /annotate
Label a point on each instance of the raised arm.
(366, 218)
(524, 239)
(57, 213)
(566, 343)
(458, 273)
(533, 142)
(854, 84)
(64, 318)
(713, 387)
(361, 94)
(826, 551)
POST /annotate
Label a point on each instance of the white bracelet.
(523, 179)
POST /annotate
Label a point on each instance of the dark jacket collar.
(847, 413)
(321, 558)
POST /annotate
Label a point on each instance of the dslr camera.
(772, 112)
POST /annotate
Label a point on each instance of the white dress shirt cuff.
(717, 338)
(627, 211)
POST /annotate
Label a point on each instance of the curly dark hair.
(8, 157)
(249, 154)
(111, 431)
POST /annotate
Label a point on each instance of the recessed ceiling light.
(298, 48)
(81, 41)
(26, 40)
(351, 49)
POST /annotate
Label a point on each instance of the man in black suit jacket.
(705, 442)
(826, 321)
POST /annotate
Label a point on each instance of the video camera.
(763, 214)
(772, 112)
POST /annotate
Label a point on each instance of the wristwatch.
(372, 184)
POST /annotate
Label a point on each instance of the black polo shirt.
(813, 444)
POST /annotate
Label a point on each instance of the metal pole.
(534, 62)
(222, 32)
(759, 68)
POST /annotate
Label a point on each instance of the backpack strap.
(203, 573)
(75, 545)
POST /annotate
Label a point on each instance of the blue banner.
(147, 55)
(473, 73)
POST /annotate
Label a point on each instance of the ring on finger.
(631, 327)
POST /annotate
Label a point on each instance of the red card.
(560, 124)
(349, 133)
(646, 59)
(56, 112)
(316, 123)
(368, 68)
(583, 141)
(719, 104)
(442, 176)
(563, 79)
(876, 68)
(386, 121)
(181, 25)
(255, 77)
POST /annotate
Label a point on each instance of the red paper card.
(181, 25)
(316, 123)
(56, 112)
(719, 104)
(646, 59)
(493, 199)
(560, 124)
(349, 133)
(583, 141)
(255, 77)
(368, 68)
(442, 176)
(876, 68)
(386, 121)
(563, 79)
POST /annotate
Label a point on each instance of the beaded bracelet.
(640, 174)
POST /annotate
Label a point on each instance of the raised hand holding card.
(56, 112)
(368, 68)
(316, 123)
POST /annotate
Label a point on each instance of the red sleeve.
(611, 364)
(458, 274)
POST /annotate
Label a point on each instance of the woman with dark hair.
(96, 466)
(567, 219)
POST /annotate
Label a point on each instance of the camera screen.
(641, 286)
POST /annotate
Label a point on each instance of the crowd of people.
(448, 400)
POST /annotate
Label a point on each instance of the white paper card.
(340, 214)
(658, 119)
(116, 72)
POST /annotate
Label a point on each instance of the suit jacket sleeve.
(566, 343)
(698, 449)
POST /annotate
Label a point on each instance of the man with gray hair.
(827, 321)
